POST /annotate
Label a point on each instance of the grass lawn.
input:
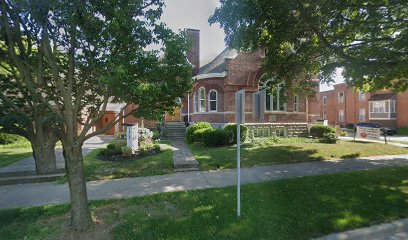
(14, 152)
(158, 164)
(402, 131)
(299, 208)
(287, 151)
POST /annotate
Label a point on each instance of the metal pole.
(239, 159)
(188, 108)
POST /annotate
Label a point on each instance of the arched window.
(212, 100)
(195, 103)
(275, 96)
(201, 99)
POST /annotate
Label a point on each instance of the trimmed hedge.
(318, 131)
(191, 137)
(215, 137)
(231, 130)
(329, 138)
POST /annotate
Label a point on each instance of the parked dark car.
(389, 131)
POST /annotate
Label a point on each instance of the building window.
(392, 106)
(275, 99)
(361, 96)
(201, 99)
(377, 107)
(281, 132)
(341, 115)
(324, 100)
(296, 104)
(340, 97)
(212, 100)
(362, 115)
(195, 102)
(324, 114)
(261, 132)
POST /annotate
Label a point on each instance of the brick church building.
(212, 98)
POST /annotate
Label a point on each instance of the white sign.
(240, 118)
(368, 132)
(132, 137)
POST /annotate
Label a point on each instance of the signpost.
(240, 118)
(132, 137)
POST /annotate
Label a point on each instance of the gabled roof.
(382, 96)
(218, 66)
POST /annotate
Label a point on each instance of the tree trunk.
(80, 214)
(43, 145)
(44, 156)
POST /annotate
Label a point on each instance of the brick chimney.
(193, 55)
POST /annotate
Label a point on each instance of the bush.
(156, 135)
(190, 137)
(126, 151)
(318, 131)
(329, 138)
(113, 148)
(198, 135)
(215, 137)
(6, 138)
(157, 148)
(231, 130)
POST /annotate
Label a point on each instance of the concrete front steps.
(175, 131)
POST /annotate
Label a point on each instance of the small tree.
(95, 52)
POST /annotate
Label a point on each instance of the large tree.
(21, 115)
(367, 38)
(95, 52)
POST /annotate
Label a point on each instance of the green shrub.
(318, 131)
(343, 134)
(198, 135)
(215, 137)
(329, 138)
(126, 151)
(231, 130)
(157, 148)
(6, 138)
(111, 146)
(156, 135)
(190, 137)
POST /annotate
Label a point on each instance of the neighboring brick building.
(344, 105)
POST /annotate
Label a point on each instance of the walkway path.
(376, 141)
(183, 158)
(36, 194)
(28, 164)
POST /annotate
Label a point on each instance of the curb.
(375, 232)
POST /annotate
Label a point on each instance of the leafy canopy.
(369, 39)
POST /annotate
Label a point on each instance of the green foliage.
(157, 148)
(317, 131)
(278, 140)
(231, 130)
(192, 137)
(119, 135)
(6, 138)
(215, 137)
(315, 37)
(156, 135)
(329, 138)
(113, 148)
(126, 151)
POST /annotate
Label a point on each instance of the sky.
(182, 14)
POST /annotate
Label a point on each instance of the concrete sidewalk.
(37, 194)
(28, 164)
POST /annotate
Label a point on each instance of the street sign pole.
(239, 118)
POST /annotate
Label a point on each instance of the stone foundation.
(277, 129)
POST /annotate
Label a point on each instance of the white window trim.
(342, 117)
(195, 102)
(201, 98)
(296, 103)
(360, 116)
(338, 97)
(385, 102)
(324, 100)
(277, 98)
(361, 96)
(216, 101)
